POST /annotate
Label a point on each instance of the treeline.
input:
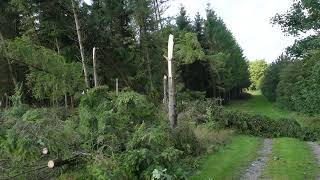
(293, 79)
(47, 52)
(40, 43)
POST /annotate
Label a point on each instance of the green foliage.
(183, 21)
(293, 159)
(294, 84)
(50, 77)
(271, 78)
(188, 49)
(302, 17)
(126, 129)
(257, 70)
(26, 137)
(260, 125)
(229, 161)
(185, 140)
(303, 47)
(18, 108)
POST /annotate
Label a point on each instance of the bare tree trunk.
(9, 64)
(149, 68)
(165, 91)
(171, 86)
(117, 86)
(7, 101)
(95, 75)
(157, 12)
(57, 46)
(65, 94)
(71, 102)
(76, 20)
(66, 101)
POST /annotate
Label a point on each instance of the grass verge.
(290, 159)
(258, 104)
(229, 161)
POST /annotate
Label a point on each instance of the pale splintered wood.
(171, 85)
(170, 55)
(51, 164)
(94, 62)
(45, 151)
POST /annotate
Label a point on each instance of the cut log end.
(51, 164)
(45, 151)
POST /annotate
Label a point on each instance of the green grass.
(259, 104)
(229, 162)
(290, 159)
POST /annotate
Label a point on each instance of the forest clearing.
(129, 89)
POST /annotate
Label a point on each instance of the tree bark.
(94, 62)
(76, 20)
(117, 86)
(7, 101)
(149, 67)
(171, 86)
(71, 102)
(66, 101)
(58, 163)
(165, 90)
(9, 64)
(157, 13)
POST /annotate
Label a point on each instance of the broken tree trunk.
(171, 86)
(165, 90)
(117, 86)
(76, 20)
(94, 62)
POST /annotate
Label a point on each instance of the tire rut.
(316, 151)
(256, 167)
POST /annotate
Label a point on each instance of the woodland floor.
(255, 158)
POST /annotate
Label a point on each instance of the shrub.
(185, 139)
(259, 125)
(18, 108)
(211, 139)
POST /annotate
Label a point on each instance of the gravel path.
(316, 151)
(254, 171)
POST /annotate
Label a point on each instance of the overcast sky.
(248, 20)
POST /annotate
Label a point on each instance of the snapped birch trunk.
(94, 62)
(76, 20)
(171, 86)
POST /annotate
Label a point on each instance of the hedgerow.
(259, 125)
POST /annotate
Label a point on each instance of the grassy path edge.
(291, 159)
(231, 160)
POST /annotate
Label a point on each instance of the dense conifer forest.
(100, 91)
